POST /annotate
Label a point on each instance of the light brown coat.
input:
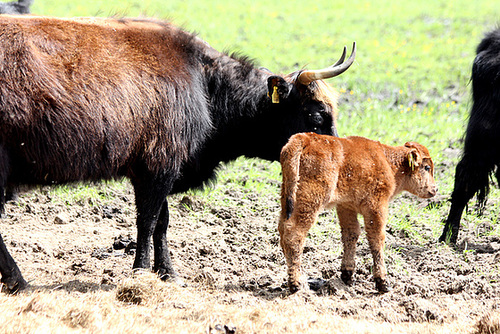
(357, 176)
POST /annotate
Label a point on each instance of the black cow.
(481, 154)
(90, 99)
(19, 7)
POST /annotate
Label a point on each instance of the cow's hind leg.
(349, 226)
(470, 178)
(11, 275)
(162, 262)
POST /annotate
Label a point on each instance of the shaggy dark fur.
(19, 7)
(481, 154)
(91, 99)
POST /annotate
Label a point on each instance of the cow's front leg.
(349, 226)
(375, 231)
(150, 194)
(11, 275)
(162, 262)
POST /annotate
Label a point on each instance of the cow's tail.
(290, 164)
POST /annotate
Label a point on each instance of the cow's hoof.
(382, 285)
(444, 238)
(449, 238)
(346, 277)
(177, 280)
(164, 276)
(14, 285)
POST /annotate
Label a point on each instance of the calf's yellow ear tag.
(275, 98)
(411, 162)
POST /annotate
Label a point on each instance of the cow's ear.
(277, 89)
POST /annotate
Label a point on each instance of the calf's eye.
(427, 168)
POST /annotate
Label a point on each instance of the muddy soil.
(82, 246)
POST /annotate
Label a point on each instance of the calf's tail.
(290, 165)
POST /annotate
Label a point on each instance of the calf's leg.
(375, 231)
(293, 232)
(350, 229)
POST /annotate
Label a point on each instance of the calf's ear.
(278, 88)
(414, 159)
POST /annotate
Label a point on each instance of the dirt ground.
(234, 249)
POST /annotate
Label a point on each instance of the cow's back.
(94, 95)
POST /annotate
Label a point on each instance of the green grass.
(410, 80)
(93, 194)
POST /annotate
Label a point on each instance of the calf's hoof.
(293, 287)
(346, 276)
(382, 285)
(298, 285)
(14, 284)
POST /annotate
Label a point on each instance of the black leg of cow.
(10, 194)
(4, 167)
(11, 275)
(2, 201)
(452, 223)
(149, 197)
(469, 179)
(162, 262)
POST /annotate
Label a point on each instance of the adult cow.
(481, 153)
(89, 99)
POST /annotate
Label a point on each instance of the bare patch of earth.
(81, 247)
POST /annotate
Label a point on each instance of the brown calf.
(357, 176)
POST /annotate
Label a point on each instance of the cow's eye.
(427, 168)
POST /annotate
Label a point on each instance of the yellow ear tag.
(411, 162)
(275, 98)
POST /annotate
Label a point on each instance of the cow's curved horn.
(306, 77)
